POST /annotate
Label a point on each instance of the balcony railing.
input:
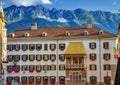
(70, 66)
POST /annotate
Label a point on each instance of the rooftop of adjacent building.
(61, 32)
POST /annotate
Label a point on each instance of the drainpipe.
(57, 66)
(100, 58)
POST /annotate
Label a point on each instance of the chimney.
(89, 24)
(119, 27)
(33, 26)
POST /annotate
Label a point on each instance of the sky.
(89, 5)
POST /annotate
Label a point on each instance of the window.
(106, 56)
(24, 67)
(9, 80)
(45, 67)
(62, 57)
(24, 80)
(86, 33)
(24, 47)
(17, 78)
(17, 47)
(92, 56)
(31, 68)
(61, 46)
(61, 79)
(52, 79)
(45, 47)
(39, 47)
(38, 79)
(16, 68)
(38, 57)
(45, 80)
(24, 57)
(52, 57)
(10, 69)
(16, 58)
(93, 79)
(31, 47)
(31, 79)
(31, 57)
(45, 57)
(93, 67)
(53, 67)
(107, 67)
(107, 80)
(92, 45)
(38, 68)
(106, 45)
(62, 67)
(52, 47)
(10, 58)
(10, 47)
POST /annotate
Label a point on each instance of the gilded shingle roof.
(75, 32)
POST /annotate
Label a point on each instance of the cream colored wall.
(99, 51)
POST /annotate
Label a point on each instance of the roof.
(75, 48)
(75, 32)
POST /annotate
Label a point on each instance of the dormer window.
(86, 33)
(67, 33)
(12, 34)
(100, 32)
(26, 34)
(44, 34)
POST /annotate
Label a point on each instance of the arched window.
(93, 79)
(31, 79)
(107, 80)
(52, 47)
(92, 56)
(9, 80)
(61, 57)
(31, 47)
(62, 46)
(38, 68)
(24, 80)
(92, 45)
(24, 47)
(31, 57)
(45, 80)
(52, 57)
(106, 56)
(16, 58)
(62, 80)
(52, 79)
(10, 69)
(31, 68)
(38, 57)
(24, 57)
(17, 47)
(17, 78)
(38, 79)
(38, 47)
(52, 67)
(17, 68)
(45, 57)
(10, 58)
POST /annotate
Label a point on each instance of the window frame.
(92, 45)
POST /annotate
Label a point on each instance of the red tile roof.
(56, 33)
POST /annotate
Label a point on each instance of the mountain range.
(21, 18)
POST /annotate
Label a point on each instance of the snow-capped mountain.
(21, 17)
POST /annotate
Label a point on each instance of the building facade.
(3, 43)
(83, 55)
